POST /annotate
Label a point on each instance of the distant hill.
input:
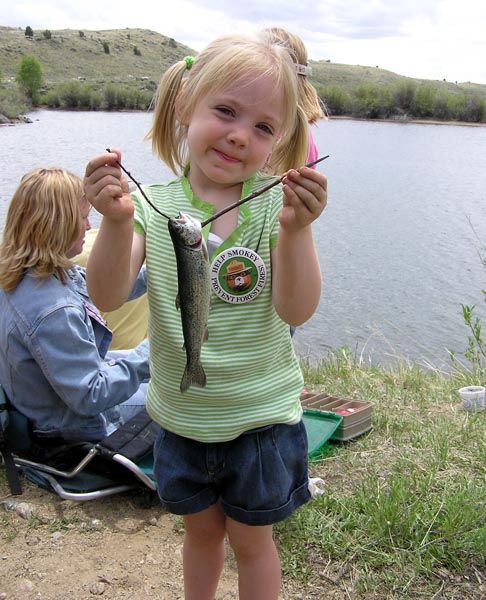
(141, 55)
(134, 54)
(348, 77)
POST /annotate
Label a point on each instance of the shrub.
(86, 97)
(47, 34)
(29, 32)
(74, 94)
(125, 98)
(441, 106)
(106, 47)
(81, 33)
(475, 110)
(51, 99)
(456, 105)
(372, 101)
(13, 103)
(137, 51)
(146, 99)
(69, 94)
(29, 77)
(423, 103)
(110, 96)
(335, 99)
(404, 94)
(96, 100)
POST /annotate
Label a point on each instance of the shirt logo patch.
(238, 275)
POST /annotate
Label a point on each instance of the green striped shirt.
(253, 376)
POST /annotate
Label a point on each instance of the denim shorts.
(259, 478)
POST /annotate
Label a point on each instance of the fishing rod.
(224, 210)
(255, 194)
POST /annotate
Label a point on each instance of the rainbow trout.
(194, 294)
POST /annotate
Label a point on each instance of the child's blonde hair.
(308, 98)
(43, 222)
(226, 62)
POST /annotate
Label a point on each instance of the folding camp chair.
(83, 471)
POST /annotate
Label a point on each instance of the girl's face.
(77, 247)
(231, 133)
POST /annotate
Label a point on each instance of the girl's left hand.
(305, 197)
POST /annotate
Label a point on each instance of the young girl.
(231, 456)
(55, 365)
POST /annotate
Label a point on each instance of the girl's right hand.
(106, 188)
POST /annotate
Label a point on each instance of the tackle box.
(356, 415)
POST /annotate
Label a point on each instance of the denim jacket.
(53, 345)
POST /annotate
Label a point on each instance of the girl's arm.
(118, 253)
(296, 274)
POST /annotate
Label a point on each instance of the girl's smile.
(226, 157)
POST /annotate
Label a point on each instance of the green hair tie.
(189, 60)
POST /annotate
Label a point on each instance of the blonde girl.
(231, 456)
(53, 341)
(43, 222)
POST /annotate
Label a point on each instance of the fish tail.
(193, 374)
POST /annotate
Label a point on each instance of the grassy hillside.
(348, 77)
(71, 54)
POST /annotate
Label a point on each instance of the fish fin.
(177, 302)
(195, 376)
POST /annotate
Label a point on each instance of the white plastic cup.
(473, 397)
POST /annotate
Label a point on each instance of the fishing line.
(139, 187)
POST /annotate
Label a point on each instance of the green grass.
(404, 514)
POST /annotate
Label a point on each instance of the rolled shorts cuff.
(299, 496)
(188, 506)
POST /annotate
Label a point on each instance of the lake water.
(399, 242)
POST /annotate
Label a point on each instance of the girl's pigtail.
(293, 153)
(313, 106)
(166, 129)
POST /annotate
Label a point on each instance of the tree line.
(73, 94)
(405, 100)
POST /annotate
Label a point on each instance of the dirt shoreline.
(409, 121)
(124, 547)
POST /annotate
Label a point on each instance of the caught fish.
(194, 293)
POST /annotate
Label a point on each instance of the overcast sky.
(430, 39)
